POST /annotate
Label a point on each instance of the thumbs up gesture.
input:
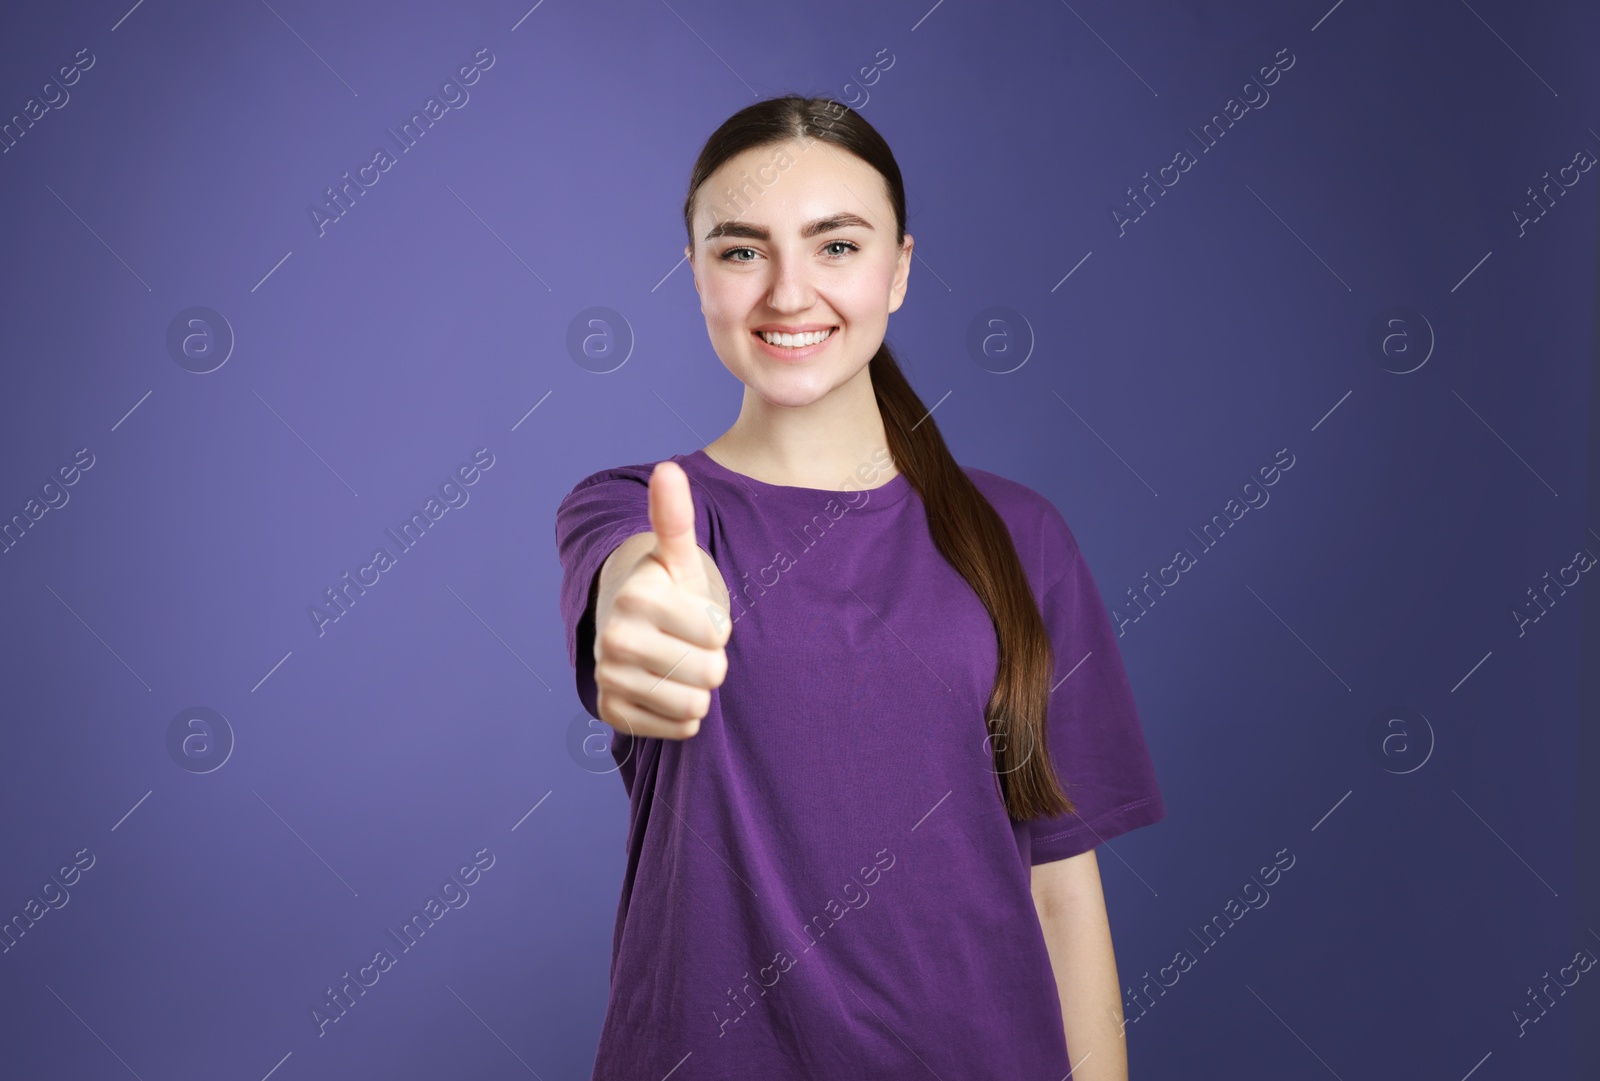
(659, 645)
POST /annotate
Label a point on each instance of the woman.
(867, 703)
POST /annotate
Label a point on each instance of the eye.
(730, 256)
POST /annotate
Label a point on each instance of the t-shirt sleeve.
(602, 511)
(1095, 738)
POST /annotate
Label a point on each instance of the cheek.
(728, 301)
(718, 309)
(867, 291)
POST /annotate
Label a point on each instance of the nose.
(792, 288)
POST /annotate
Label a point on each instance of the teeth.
(795, 341)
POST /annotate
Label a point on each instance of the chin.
(790, 393)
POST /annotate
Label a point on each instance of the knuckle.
(605, 677)
(607, 643)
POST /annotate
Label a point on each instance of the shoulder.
(1019, 504)
(1003, 490)
(622, 478)
(622, 483)
(605, 497)
(639, 474)
(622, 493)
(1044, 541)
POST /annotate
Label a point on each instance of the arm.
(1072, 912)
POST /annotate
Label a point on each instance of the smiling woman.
(935, 679)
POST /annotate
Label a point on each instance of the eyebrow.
(734, 227)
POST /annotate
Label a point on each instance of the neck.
(836, 441)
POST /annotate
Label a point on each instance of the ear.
(688, 253)
(902, 271)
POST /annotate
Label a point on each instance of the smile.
(795, 341)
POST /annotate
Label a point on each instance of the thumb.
(672, 521)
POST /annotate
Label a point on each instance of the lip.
(778, 352)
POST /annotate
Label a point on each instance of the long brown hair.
(966, 529)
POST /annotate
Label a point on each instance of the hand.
(660, 651)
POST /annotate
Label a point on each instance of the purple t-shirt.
(823, 884)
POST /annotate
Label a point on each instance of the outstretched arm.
(1072, 912)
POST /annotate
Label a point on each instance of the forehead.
(786, 184)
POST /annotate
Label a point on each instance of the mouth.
(793, 346)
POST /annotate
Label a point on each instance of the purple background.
(1435, 876)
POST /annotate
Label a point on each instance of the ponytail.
(973, 538)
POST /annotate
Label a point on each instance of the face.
(808, 247)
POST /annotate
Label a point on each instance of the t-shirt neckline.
(884, 495)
